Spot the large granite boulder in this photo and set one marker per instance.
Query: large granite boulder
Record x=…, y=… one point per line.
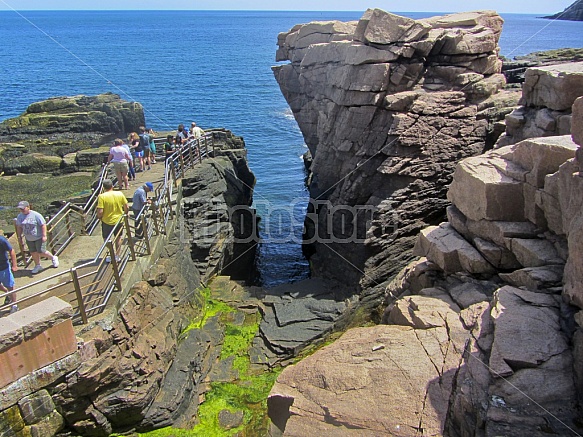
x=385, y=380
x=387, y=105
x=554, y=87
x=548, y=95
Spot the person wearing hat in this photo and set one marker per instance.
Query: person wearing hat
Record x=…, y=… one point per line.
x=138, y=201
x=7, y=266
x=33, y=227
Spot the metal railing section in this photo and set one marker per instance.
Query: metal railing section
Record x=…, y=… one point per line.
x=89, y=286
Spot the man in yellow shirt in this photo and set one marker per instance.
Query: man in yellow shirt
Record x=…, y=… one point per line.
x=111, y=206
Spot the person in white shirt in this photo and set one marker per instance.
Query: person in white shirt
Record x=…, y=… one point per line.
x=195, y=131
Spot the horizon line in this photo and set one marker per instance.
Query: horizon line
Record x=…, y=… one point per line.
x=256, y=10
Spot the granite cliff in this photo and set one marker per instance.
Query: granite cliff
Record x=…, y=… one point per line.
x=481, y=332
x=387, y=106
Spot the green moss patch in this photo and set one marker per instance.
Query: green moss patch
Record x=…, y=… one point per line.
x=247, y=394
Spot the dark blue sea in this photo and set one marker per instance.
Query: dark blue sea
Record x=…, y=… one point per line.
x=212, y=67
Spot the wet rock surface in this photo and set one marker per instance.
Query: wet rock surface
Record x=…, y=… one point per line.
x=293, y=316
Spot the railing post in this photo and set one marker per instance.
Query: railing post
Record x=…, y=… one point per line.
x=114, y=265
x=190, y=160
x=75, y=278
x=50, y=240
x=20, y=245
x=129, y=234
x=146, y=236
x=180, y=152
x=68, y=222
x=170, y=203
x=173, y=169
x=198, y=151
x=155, y=216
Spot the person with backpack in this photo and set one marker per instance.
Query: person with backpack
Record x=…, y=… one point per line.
x=134, y=141
x=142, y=147
x=152, y=146
x=168, y=147
x=181, y=136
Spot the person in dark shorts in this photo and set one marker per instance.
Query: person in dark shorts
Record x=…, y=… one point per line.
x=32, y=226
x=7, y=266
x=139, y=200
x=111, y=206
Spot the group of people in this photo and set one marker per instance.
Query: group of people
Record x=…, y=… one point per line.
x=125, y=158
x=111, y=205
x=182, y=136
x=142, y=150
x=32, y=227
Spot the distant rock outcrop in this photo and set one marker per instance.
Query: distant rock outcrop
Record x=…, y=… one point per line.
x=49, y=134
x=387, y=106
x=515, y=69
x=572, y=13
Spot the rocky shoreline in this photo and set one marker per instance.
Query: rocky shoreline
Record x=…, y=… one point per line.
x=456, y=288
x=480, y=329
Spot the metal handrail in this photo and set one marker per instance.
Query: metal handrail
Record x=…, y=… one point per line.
x=105, y=278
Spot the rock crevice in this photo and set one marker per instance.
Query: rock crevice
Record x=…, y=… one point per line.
x=387, y=105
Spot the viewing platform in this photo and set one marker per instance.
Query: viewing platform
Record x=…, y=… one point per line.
x=91, y=271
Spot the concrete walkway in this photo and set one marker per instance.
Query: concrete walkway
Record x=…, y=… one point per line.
x=81, y=250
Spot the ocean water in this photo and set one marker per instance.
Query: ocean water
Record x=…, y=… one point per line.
x=212, y=67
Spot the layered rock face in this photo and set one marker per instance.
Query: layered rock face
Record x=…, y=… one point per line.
x=217, y=218
x=47, y=137
x=484, y=332
x=127, y=376
x=387, y=105
x=547, y=97
x=140, y=370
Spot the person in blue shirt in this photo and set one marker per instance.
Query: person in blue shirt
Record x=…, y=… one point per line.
x=139, y=200
x=7, y=266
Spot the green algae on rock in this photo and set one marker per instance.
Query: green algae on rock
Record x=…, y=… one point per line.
x=243, y=398
x=61, y=126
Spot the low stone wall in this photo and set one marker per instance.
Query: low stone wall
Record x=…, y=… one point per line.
x=37, y=347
